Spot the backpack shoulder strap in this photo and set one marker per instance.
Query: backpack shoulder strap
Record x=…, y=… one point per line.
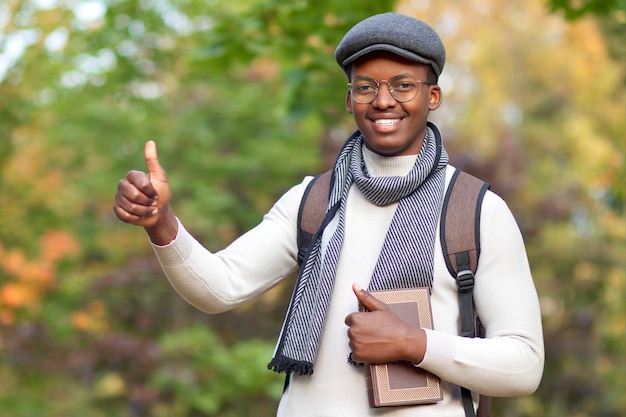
x=460, y=239
x=460, y=242
x=312, y=210
x=460, y=222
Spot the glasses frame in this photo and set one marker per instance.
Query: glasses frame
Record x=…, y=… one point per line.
x=391, y=89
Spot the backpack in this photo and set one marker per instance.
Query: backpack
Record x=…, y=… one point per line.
x=460, y=243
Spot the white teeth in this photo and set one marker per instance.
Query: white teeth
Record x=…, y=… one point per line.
x=387, y=122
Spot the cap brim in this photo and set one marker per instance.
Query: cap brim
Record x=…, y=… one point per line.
x=388, y=48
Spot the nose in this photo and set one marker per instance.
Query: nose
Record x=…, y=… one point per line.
x=384, y=99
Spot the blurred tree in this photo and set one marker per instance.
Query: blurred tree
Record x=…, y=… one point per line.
x=576, y=9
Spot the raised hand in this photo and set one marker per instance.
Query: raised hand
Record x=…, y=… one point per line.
x=378, y=336
x=143, y=198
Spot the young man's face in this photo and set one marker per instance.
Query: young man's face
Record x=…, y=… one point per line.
x=389, y=127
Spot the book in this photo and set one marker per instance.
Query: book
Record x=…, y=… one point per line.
x=402, y=383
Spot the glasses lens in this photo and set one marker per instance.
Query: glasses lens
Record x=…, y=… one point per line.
x=404, y=89
x=364, y=91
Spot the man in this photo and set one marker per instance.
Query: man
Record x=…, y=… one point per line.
x=380, y=232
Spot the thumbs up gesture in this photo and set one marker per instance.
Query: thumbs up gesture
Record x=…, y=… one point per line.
x=143, y=198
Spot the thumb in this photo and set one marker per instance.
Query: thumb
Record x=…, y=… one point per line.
x=155, y=170
x=368, y=301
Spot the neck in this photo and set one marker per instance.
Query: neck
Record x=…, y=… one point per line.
x=387, y=166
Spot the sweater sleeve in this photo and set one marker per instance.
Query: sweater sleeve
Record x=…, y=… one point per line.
x=255, y=262
x=509, y=361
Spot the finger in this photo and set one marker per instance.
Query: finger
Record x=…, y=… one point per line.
x=370, y=302
x=155, y=170
x=137, y=218
x=134, y=207
x=125, y=216
x=137, y=189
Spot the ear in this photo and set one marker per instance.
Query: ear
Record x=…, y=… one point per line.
x=348, y=102
x=435, y=97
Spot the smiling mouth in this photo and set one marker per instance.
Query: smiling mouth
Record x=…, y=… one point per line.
x=386, y=122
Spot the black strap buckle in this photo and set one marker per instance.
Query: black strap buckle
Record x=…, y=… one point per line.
x=465, y=280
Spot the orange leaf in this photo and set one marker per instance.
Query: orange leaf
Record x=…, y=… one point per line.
x=13, y=261
x=57, y=245
x=15, y=295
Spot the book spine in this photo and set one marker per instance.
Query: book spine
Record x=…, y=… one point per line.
x=371, y=395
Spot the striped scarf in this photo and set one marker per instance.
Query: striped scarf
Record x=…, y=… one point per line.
x=406, y=258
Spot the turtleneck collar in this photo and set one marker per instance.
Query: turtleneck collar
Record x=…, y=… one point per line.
x=387, y=166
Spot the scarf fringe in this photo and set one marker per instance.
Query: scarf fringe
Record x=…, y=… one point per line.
x=282, y=363
x=352, y=362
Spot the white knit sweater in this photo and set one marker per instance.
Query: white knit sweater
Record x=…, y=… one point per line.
x=508, y=362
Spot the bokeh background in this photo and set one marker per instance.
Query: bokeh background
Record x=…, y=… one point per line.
x=244, y=99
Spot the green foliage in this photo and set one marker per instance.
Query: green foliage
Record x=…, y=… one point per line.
x=577, y=9
x=205, y=376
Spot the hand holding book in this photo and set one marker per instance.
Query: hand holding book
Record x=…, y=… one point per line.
x=377, y=335
x=387, y=334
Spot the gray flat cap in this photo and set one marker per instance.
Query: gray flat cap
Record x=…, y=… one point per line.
x=403, y=35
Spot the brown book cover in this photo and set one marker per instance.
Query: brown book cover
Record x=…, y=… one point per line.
x=402, y=383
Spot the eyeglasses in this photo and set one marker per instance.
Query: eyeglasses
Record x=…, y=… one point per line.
x=402, y=89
